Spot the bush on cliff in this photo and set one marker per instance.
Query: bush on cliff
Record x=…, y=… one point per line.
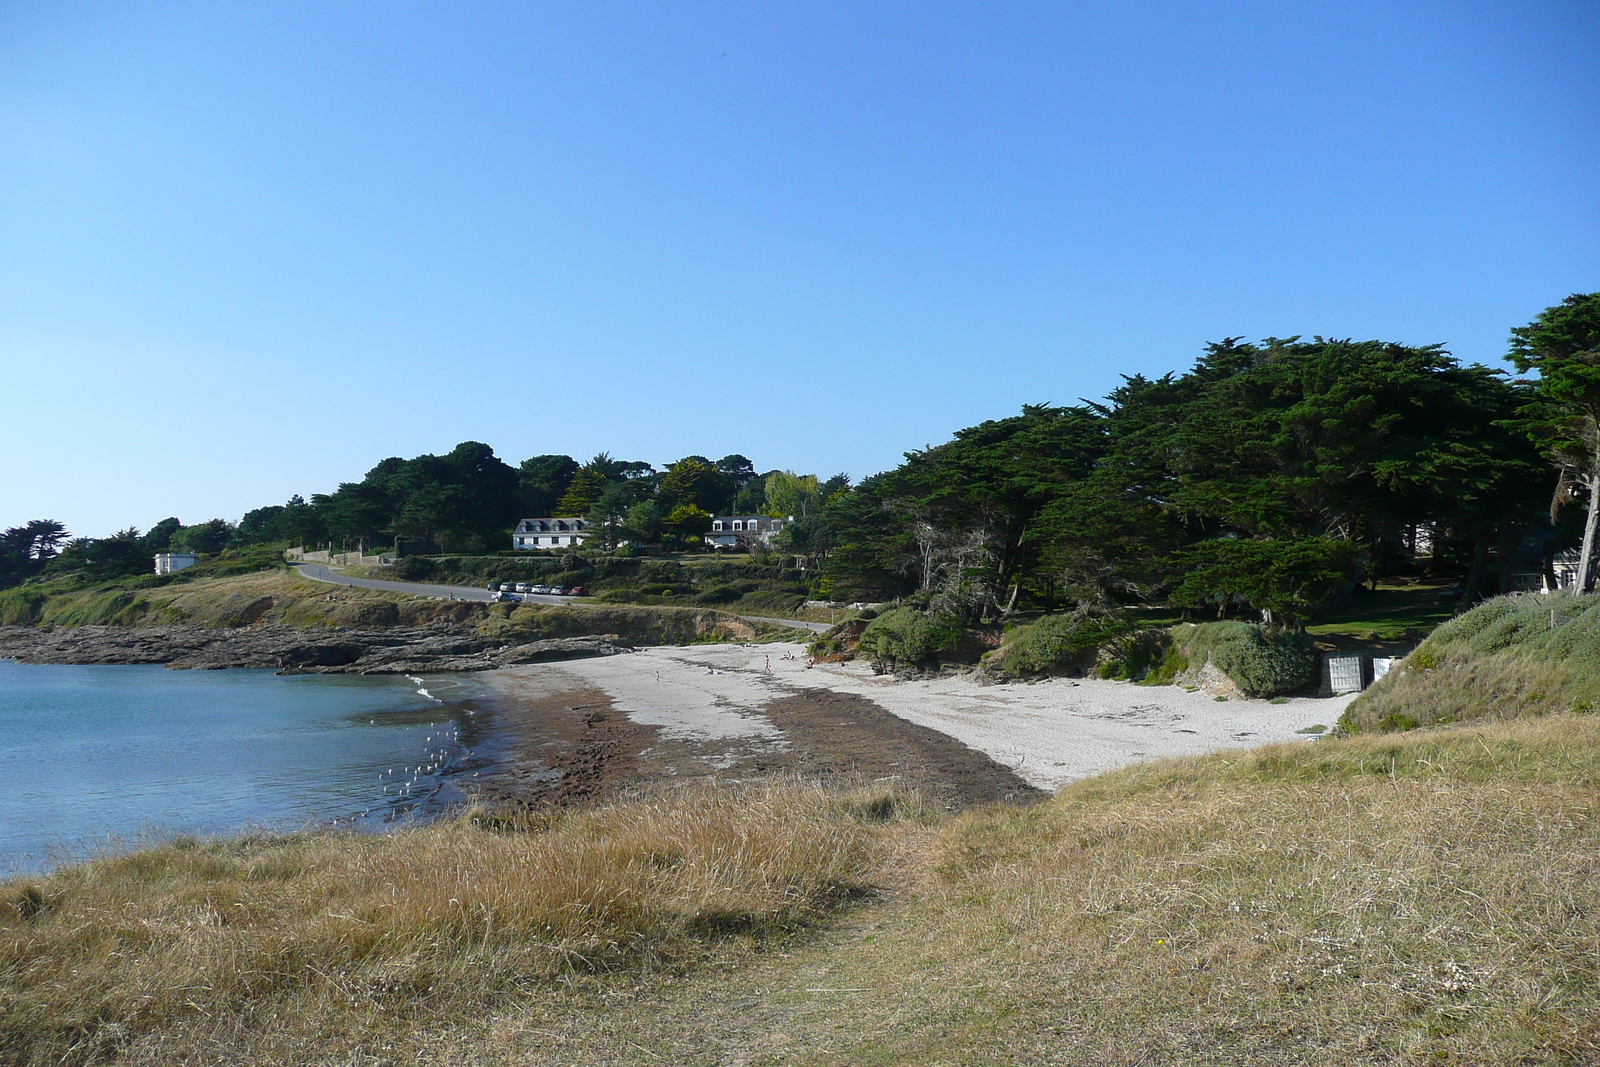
x=840, y=643
x=908, y=637
x=1058, y=643
x=1261, y=662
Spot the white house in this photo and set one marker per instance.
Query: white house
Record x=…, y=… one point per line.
x=549, y=533
x=734, y=531
x=1565, y=564
x=169, y=562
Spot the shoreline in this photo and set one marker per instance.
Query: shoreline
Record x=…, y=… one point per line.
x=580, y=740
x=669, y=714
x=580, y=731
x=437, y=649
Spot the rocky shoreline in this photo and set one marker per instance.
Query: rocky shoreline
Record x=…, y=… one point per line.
x=289, y=650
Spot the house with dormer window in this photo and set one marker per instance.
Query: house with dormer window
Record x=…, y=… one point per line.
x=549, y=533
x=741, y=531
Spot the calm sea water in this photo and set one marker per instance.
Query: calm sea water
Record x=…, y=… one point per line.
x=102, y=757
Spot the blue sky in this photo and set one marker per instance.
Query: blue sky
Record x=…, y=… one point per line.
x=250, y=250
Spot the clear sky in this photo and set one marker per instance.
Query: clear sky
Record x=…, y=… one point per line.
x=248, y=250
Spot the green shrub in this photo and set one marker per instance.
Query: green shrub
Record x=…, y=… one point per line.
x=724, y=594
x=21, y=607
x=906, y=635
x=771, y=602
x=659, y=571
x=1062, y=643
x=1165, y=671
x=1262, y=663
x=1134, y=654
x=1266, y=663
x=840, y=643
x=415, y=569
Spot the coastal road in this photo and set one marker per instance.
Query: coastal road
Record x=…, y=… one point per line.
x=814, y=627
x=321, y=572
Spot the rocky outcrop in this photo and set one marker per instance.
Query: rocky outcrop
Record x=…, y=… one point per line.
x=395, y=650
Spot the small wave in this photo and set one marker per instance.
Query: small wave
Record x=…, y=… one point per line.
x=422, y=689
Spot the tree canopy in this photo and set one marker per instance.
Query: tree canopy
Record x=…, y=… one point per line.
x=1562, y=346
x=1264, y=481
x=1258, y=482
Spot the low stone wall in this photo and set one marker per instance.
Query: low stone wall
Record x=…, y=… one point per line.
x=337, y=559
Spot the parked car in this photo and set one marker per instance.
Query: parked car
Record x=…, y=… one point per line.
x=494, y=587
x=577, y=590
x=540, y=590
x=506, y=598
x=558, y=590
x=524, y=587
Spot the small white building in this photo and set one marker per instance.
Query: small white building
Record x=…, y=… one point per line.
x=171, y=562
x=549, y=533
x=735, y=531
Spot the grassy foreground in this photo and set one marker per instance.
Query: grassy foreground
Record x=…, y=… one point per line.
x=1431, y=898
x=299, y=948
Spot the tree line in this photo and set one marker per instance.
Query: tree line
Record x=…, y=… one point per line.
x=1268, y=477
x=466, y=501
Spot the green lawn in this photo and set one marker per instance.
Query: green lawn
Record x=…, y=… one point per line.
x=1386, y=615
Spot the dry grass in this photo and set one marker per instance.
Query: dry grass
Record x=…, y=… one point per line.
x=1509, y=657
x=1431, y=901
x=1426, y=898
x=300, y=949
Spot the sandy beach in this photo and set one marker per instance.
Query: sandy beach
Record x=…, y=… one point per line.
x=668, y=713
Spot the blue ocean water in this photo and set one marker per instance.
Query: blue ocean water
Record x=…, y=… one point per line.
x=98, y=757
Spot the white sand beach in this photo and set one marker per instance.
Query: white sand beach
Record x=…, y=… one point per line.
x=1049, y=733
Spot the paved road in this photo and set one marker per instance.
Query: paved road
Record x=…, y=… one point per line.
x=321, y=572
x=814, y=627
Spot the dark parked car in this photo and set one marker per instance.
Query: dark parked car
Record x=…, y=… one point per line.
x=577, y=590
x=506, y=598
x=494, y=587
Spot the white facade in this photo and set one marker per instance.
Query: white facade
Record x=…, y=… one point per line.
x=168, y=562
x=549, y=533
x=731, y=531
x=1565, y=564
